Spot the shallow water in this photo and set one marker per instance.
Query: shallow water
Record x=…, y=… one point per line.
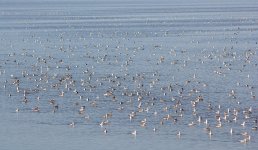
x=154, y=54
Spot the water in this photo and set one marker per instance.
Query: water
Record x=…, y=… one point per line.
x=154, y=57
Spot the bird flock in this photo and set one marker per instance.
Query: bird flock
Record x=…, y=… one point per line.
x=139, y=86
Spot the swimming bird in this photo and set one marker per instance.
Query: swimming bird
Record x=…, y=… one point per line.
x=246, y=137
x=105, y=131
x=55, y=108
x=206, y=121
x=25, y=100
x=72, y=124
x=244, y=133
x=243, y=124
x=134, y=133
x=244, y=141
x=35, y=109
x=178, y=134
x=210, y=133
x=235, y=118
x=107, y=115
x=191, y=124
x=81, y=110
x=52, y=102
x=61, y=94
x=219, y=124
x=87, y=117
x=143, y=122
x=108, y=93
x=199, y=119
x=254, y=128
x=154, y=129
x=103, y=123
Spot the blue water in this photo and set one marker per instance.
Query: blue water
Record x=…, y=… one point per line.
x=151, y=55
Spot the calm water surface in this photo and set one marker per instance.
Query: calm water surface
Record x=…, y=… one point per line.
x=168, y=62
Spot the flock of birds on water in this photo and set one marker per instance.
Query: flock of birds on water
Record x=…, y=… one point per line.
x=52, y=84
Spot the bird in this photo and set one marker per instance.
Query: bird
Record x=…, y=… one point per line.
x=243, y=124
x=103, y=123
x=35, y=109
x=178, y=134
x=105, y=131
x=206, y=122
x=254, y=128
x=81, y=110
x=154, y=129
x=72, y=124
x=210, y=133
x=55, y=108
x=61, y=94
x=231, y=131
x=219, y=125
x=244, y=141
x=191, y=124
x=199, y=119
x=134, y=132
